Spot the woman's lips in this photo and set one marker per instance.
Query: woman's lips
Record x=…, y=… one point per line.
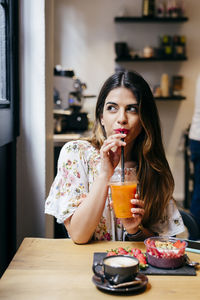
x=122, y=130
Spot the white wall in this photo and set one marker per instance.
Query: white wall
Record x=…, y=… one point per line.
x=34, y=146
x=84, y=41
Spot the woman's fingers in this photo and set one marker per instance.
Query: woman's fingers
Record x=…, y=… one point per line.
x=107, y=147
x=110, y=152
x=113, y=142
x=118, y=136
x=137, y=202
x=111, y=146
x=137, y=211
x=138, y=207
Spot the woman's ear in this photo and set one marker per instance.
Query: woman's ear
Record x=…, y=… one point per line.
x=102, y=122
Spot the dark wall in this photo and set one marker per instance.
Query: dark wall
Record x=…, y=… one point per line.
x=9, y=130
x=7, y=205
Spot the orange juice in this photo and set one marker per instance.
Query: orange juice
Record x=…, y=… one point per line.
x=122, y=193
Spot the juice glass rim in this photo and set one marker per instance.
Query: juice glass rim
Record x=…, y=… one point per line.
x=130, y=175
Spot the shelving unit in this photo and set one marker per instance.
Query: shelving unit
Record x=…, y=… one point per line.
x=133, y=19
x=140, y=59
x=149, y=20
x=172, y=98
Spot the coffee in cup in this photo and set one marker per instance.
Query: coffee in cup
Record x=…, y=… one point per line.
x=117, y=269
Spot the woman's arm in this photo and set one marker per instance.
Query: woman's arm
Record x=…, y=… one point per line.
x=82, y=224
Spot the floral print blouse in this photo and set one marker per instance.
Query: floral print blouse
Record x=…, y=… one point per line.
x=78, y=165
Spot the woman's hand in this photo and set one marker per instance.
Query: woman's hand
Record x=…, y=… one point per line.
x=131, y=224
x=110, y=153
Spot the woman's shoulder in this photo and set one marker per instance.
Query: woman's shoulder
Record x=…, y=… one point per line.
x=78, y=147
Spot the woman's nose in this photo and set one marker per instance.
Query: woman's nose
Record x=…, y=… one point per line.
x=122, y=118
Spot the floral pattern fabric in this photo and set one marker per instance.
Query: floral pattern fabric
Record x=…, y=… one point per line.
x=78, y=165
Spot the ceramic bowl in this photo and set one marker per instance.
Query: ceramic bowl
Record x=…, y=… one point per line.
x=165, y=252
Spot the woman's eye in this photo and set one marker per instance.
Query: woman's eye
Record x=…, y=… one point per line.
x=132, y=109
x=111, y=108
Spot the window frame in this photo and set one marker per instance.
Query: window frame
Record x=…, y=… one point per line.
x=10, y=110
x=6, y=103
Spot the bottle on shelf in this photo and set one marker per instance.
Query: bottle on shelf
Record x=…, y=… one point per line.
x=174, y=8
x=183, y=44
x=166, y=45
x=148, y=8
x=171, y=9
x=179, y=46
x=177, y=85
x=160, y=9
x=164, y=85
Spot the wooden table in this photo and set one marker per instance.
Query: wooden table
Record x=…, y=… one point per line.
x=59, y=269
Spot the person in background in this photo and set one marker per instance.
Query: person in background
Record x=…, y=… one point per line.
x=194, y=141
x=80, y=195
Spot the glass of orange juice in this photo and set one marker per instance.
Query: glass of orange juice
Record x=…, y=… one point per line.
x=123, y=192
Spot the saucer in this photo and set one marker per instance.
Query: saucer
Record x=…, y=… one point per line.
x=107, y=287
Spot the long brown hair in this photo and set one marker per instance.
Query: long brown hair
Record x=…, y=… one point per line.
x=153, y=172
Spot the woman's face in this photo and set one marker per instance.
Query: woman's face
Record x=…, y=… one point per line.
x=121, y=112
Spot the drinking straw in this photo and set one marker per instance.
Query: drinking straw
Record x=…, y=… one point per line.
x=122, y=164
x=122, y=153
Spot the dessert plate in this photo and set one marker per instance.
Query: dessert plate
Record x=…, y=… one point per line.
x=107, y=287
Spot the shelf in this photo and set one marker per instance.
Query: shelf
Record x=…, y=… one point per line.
x=150, y=20
x=171, y=98
x=138, y=59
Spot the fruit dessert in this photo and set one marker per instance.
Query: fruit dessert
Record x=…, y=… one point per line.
x=136, y=252
x=165, y=252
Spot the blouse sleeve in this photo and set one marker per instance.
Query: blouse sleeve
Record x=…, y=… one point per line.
x=171, y=223
x=71, y=182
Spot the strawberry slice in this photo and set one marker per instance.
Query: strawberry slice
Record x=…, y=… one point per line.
x=142, y=261
x=135, y=251
x=122, y=251
x=111, y=253
x=141, y=258
x=148, y=241
x=177, y=244
x=152, y=249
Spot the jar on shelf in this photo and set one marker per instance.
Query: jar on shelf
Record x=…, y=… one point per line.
x=148, y=52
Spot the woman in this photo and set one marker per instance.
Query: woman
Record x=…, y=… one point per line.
x=79, y=196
